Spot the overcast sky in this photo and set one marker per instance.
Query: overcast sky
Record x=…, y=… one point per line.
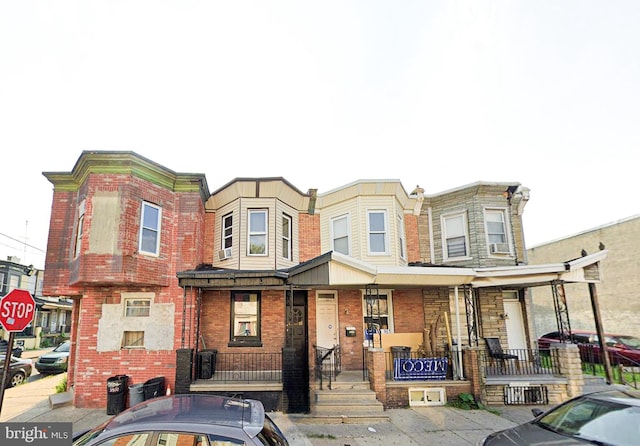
x=434, y=93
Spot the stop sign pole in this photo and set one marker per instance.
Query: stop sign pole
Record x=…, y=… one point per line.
x=16, y=312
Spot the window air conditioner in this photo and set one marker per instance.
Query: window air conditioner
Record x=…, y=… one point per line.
x=499, y=248
x=224, y=254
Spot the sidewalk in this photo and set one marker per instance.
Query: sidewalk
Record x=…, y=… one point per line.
x=440, y=425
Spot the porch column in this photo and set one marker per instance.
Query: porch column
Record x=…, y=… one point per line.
x=567, y=356
x=376, y=367
x=184, y=370
x=473, y=368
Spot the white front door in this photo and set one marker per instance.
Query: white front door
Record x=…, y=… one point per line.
x=326, y=319
x=515, y=324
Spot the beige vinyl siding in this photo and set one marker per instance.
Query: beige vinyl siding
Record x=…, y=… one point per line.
x=357, y=209
x=233, y=262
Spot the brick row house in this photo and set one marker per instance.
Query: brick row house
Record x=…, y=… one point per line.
x=259, y=289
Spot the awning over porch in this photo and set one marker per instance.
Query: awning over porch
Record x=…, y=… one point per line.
x=335, y=269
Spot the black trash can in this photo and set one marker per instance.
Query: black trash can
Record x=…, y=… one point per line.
x=136, y=394
x=401, y=352
x=206, y=363
x=153, y=388
x=116, y=394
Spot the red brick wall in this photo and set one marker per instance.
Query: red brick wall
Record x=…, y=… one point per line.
x=63, y=216
x=408, y=311
x=93, y=368
x=215, y=321
x=309, y=235
x=412, y=237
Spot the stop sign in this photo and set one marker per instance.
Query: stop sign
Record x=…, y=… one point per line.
x=17, y=310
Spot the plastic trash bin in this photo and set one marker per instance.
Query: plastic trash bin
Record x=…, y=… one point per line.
x=401, y=352
x=116, y=394
x=136, y=394
x=153, y=388
x=206, y=363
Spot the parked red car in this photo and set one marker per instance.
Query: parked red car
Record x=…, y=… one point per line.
x=623, y=349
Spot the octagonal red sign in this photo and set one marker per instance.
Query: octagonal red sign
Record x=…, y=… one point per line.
x=17, y=310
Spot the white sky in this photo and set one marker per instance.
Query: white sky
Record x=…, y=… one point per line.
x=435, y=93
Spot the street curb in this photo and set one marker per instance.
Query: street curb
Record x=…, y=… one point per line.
x=60, y=399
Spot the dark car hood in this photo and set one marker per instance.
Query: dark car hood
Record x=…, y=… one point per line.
x=532, y=434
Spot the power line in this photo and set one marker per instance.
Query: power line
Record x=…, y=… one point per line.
x=22, y=243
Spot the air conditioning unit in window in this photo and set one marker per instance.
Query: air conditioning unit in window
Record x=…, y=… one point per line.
x=224, y=254
x=499, y=248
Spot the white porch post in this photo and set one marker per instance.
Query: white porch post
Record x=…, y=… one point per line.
x=459, y=368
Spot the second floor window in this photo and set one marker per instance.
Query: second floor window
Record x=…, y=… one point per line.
x=258, y=232
x=496, y=227
x=79, y=230
x=150, y=229
x=227, y=231
x=455, y=236
x=286, y=237
x=401, y=242
x=377, y=232
x=340, y=234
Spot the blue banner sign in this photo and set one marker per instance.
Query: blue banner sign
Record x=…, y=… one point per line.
x=419, y=368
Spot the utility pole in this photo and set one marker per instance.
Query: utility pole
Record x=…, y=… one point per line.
x=603, y=345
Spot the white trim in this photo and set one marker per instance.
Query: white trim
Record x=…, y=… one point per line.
x=158, y=230
x=347, y=217
x=507, y=233
x=465, y=227
x=385, y=232
x=265, y=233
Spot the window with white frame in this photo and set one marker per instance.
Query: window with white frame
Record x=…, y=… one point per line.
x=137, y=307
x=455, y=236
x=340, y=234
x=401, y=241
x=150, y=229
x=257, y=232
x=377, y=223
x=286, y=236
x=496, y=227
x=79, y=230
x=227, y=231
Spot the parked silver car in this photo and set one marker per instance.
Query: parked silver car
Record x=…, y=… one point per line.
x=193, y=419
x=609, y=418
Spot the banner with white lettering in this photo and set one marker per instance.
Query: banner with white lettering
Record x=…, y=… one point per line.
x=419, y=368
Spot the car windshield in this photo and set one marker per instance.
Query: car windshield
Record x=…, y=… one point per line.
x=630, y=341
x=607, y=422
x=64, y=347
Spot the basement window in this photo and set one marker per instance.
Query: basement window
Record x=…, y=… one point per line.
x=133, y=339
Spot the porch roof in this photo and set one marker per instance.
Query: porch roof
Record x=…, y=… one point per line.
x=333, y=269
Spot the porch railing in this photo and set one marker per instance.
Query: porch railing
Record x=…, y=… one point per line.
x=328, y=364
x=515, y=362
x=624, y=370
x=247, y=367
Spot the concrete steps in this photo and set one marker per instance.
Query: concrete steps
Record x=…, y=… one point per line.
x=346, y=402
